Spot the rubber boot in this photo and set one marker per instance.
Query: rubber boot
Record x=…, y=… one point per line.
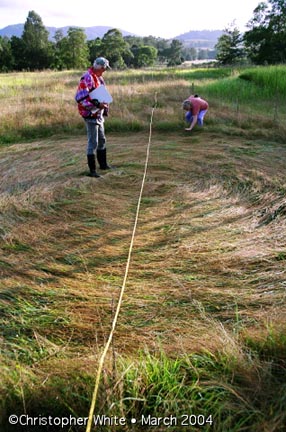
x=101, y=157
x=91, y=166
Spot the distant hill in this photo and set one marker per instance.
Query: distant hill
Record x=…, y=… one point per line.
x=12, y=30
x=91, y=32
x=200, y=38
x=194, y=38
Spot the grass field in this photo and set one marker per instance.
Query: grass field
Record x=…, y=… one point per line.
x=201, y=332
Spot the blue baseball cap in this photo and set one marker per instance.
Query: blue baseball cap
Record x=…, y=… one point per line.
x=101, y=62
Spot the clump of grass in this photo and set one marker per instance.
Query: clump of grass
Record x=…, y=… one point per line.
x=117, y=125
x=281, y=256
x=168, y=126
x=215, y=391
x=213, y=386
x=271, y=80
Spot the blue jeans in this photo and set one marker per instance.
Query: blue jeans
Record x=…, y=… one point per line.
x=95, y=136
x=189, y=117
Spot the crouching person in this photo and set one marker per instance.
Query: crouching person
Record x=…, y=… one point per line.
x=196, y=109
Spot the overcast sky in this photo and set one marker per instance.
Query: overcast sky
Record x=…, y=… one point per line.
x=160, y=18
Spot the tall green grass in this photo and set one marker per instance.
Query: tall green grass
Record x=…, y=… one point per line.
x=202, y=391
x=258, y=90
x=271, y=79
x=229, y=394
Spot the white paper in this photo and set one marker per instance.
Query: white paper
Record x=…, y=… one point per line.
x=101, y=94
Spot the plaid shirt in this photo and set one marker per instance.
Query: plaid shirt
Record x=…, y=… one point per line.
x=88, y=82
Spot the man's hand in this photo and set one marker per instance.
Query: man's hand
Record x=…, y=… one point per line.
x=103, y=105
x=99, y=105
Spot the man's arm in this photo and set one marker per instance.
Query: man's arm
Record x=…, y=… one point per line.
x=194, y=122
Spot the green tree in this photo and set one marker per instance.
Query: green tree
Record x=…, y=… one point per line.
x=18, y=52
x=229, y=46
x=37, y=48
x=135, y=42
x=59, y=51
x=174, y=53
x=190, y=53
x=265, y=39
x=114, y=47
x=146, y=56
x=162, y=46
x=6, y=55
x=95, y=49
x=203, y=54
x=74, y=49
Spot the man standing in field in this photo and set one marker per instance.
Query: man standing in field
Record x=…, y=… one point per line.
x=93, y=112
x=196, y=108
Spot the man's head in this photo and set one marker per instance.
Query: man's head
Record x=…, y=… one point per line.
x=101, y=63
x=187, y=105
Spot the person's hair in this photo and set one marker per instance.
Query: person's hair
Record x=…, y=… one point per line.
x=187, y=105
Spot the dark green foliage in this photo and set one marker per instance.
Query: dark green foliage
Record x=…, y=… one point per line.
x=76, y=51
x=265, y=39
x=114, y=47
x=6, y=57
x=229, y=47
x=17, y=48
x=95, y=49
x=174, y=53
x=37, y=48
x=145, y=56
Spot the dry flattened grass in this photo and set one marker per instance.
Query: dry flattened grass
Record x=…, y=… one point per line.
x=208, y=266
x=207, y=275
x=206, y=259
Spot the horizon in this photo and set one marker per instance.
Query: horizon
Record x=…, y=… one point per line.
x=124, y=30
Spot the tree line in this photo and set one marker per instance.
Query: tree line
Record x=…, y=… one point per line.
x=34, y=51
x=264, y=42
